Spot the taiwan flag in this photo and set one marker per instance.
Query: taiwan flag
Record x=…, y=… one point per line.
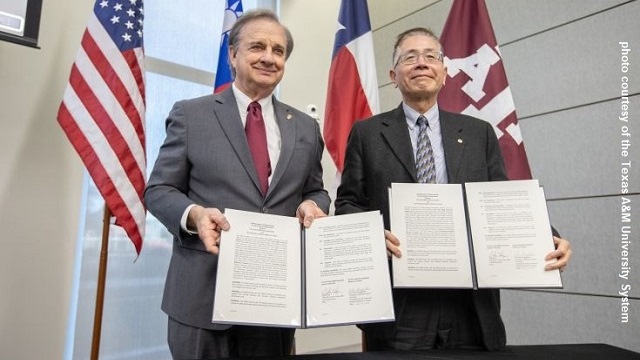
x=224, y=77
x=477, y=83
x=352, y=93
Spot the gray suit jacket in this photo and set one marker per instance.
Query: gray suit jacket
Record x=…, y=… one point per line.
x=379, y=152
x=205, y=160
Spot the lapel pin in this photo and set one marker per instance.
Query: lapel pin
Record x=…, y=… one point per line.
x=289, y=116
x=460, y=141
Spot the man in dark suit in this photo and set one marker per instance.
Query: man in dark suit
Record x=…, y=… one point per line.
x=206, y=165
x=385, y=149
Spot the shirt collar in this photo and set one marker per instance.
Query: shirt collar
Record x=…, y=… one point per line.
x=243, y=101
x=432, y=115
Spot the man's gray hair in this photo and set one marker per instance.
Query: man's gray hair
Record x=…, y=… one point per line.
x=257, y=14
x=414, y=31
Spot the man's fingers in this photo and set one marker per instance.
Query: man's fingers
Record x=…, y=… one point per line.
x=211, y=242
x=308, y=211
x=389, y=236
x=218, y=218
x=393, y=250
x=210, y=223
x=555, y=254
x=308, y=220
x=559, y=265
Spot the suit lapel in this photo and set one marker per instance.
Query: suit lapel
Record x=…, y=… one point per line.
x=226, y=110
x=394, y=131
x=286, y=124
x=453, y=141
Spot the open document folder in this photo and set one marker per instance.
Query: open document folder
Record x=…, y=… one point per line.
x=475, y=235
x=274, y=272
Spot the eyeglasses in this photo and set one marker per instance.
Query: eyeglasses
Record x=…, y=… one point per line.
x=410, y=58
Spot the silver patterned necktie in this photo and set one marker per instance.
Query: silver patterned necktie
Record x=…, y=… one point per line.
x=425, y=165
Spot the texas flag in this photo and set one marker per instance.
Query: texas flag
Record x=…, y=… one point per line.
x=352, y=93
x=224, y=77
x=477, y=84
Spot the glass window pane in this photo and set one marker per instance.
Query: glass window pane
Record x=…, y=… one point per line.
x=186, y=33
x=162, y=93
x=133, y=326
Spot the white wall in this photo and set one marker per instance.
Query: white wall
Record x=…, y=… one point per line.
x=40, y=187
x=313, y=25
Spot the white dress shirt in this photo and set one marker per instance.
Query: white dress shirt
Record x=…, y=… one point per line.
x=274, y=139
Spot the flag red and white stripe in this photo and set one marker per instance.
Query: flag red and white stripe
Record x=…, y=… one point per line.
x=103, y=108
x=477, y=83
x=352, y=93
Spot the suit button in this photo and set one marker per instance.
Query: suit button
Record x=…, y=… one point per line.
x=265, y=210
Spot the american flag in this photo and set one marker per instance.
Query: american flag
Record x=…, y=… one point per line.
x=102, y=111
x=352, y=93
x=224, y=77
x=477, y=83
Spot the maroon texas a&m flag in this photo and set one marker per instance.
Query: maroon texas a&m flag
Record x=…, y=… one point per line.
x=476, y=84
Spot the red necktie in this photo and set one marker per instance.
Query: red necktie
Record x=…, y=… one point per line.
x=257, y=138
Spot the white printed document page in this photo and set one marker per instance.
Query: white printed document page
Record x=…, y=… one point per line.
x=429, y=220
x=347, y=271
x=511, y=234
x=259, y=277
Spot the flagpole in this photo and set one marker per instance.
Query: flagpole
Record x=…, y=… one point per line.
x=102, y=276
x=84, y=112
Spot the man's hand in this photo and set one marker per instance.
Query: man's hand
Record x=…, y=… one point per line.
x=392, y=244
x=307, y=211
x=561, y=254
x=209, y=222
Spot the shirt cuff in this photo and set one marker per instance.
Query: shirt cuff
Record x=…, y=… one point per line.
x=183, y=220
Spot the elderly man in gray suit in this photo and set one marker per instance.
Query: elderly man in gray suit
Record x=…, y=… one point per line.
x=207, y=164
x=392, y=147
